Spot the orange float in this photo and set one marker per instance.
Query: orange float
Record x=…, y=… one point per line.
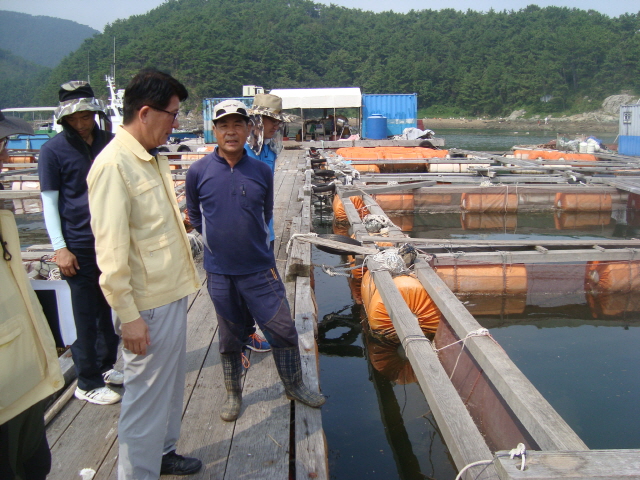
x=583, y=202
x=395, y=201
x=489, y=202
x=553, y=155
x=612, y=288
x=414, y=295
x=484, y=279
x=339, y=213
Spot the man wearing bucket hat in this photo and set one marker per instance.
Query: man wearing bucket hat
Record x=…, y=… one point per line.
x=63, y=167
x=264, y=144
x=28, y=359
x=230, y=200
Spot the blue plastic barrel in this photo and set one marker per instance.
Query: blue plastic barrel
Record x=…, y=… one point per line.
x=377, y=127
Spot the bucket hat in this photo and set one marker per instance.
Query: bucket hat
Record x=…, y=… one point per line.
x=271, y=106
x=77, y=96
x=13, y=125
x=229, y=107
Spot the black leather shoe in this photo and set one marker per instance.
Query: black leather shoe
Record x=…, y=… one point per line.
x=174, y=464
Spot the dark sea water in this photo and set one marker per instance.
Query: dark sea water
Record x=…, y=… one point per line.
x=581, y=357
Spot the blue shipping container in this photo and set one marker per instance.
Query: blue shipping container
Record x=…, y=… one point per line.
x=401, y=111
x=207, y=113
x=629, y=145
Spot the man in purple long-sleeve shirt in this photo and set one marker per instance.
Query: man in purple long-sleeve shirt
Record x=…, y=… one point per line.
x=230, y=201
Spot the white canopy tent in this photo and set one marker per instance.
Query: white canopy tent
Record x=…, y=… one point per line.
x=293, y=98
x=319, y=97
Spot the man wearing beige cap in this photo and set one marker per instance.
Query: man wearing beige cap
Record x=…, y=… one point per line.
x=264, y=144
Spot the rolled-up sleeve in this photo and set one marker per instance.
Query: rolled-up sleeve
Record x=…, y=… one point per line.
x=110, y=207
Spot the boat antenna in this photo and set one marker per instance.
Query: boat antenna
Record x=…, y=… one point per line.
x=113, y=66
x=88, y=69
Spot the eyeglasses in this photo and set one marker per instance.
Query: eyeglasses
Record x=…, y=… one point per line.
x=3, y=143
x=174, y=115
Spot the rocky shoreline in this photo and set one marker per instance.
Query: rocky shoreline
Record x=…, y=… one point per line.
x=554, y=125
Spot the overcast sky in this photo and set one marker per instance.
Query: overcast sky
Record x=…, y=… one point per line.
x=97, y=13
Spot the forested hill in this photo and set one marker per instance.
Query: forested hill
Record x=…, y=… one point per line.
x=479, y=63
x=40, y=39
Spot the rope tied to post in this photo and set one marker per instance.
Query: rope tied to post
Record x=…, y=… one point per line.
x=296, y=235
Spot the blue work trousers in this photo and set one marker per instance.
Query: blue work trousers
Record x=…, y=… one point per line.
x=96, y=347
x=241, y=299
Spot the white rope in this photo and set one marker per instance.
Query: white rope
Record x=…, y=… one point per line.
x=389, y=260
x=519, y=451
x=474, y=464
x=54, y=274
x=295, y=235
x=481, y=332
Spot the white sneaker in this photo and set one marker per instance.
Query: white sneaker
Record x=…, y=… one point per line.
x=113, y=377
x=99, y=396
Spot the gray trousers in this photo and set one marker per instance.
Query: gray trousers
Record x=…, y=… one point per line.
x=151, y=409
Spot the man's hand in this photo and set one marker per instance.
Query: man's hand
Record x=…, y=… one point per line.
x=67, y=262
x=135, y=336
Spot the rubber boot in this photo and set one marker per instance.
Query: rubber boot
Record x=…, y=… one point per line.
x=232, y=369
x=290, y=371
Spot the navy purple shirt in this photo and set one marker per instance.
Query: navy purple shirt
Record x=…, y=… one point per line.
x=231, y=208
x=63, y=165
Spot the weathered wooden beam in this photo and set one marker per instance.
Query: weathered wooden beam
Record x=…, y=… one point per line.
x=403, y=187
x=463, y=439
x=589, y=465
x=498, y=243
x=345, y=247
x=543, y=423
x=536, y=256
x=19, y=194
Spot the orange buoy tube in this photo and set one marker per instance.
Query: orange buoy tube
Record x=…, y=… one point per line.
x=612, y=288
x=489, y=202
x=610, y=277
x=414, y=295
x=484, y=279
x=367, y=168
x=395, y=201
x=339, y=213
x=583, y=202
x=553, y=155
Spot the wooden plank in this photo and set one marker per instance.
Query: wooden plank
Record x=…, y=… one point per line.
x=589, y=465
x=464, y=441
x=86, y=441
x=260, y=445
x=337, y=245
x=310, y=443
x=548, y=256
x=544, y=424
x=19, y=194
x=498, y=243
x=403, y=187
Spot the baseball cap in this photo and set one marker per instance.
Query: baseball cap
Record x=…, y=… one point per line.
x=229, y=107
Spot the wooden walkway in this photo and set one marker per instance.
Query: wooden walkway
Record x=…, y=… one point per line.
x=273, y=438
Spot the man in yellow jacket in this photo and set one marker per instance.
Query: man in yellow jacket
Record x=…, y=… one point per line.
x=29, y=368
x=147, y=273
